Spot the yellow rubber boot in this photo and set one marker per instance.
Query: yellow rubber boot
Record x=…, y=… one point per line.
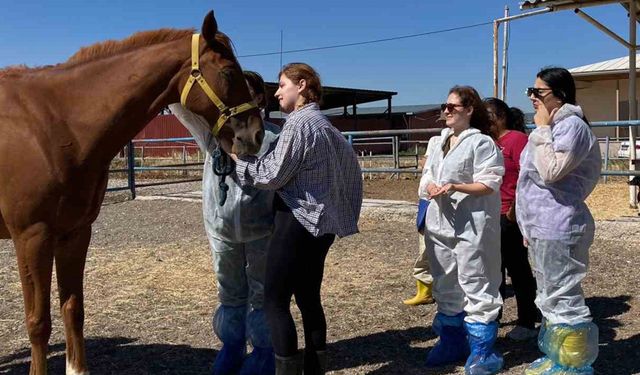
x=423, y=295
x=574, y=350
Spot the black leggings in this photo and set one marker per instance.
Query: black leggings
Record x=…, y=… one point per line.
x=515, y=260
x=295, y=266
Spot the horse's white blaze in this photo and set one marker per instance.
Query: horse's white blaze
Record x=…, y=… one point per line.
x=72, y=371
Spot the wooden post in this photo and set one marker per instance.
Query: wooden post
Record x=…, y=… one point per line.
x=495, y=58
x=633, y=105
x=505, y=46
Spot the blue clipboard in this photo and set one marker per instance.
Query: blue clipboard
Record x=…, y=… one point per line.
x=422, y=213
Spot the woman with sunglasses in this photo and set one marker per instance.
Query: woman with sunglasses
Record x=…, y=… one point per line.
x=559, y=168
x=507, y=128
x=462, y=235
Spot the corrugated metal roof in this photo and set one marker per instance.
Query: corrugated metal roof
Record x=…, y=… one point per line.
x=535, y=3
x=335, y=97
x=529, y=4
x=403, y=109
x=363, y=111
x=613, y=65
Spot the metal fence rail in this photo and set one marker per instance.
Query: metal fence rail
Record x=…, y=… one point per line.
x=355, y=138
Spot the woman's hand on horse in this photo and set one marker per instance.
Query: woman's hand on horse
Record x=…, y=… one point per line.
x=227, y=147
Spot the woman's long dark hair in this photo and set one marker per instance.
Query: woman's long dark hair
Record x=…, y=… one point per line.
x=513, y=117
x=561, y=83
x=469, y=97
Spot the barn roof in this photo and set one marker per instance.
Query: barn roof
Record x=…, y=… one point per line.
x=334, y=97
x=609, y=69
x=408, y=110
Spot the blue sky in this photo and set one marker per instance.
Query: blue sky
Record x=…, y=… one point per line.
x=420, y=69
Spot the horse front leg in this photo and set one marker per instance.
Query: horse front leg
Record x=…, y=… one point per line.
x=70, y=255
x=4, y=231
x=34, y=250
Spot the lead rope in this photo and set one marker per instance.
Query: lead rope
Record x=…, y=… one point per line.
x=222, y=167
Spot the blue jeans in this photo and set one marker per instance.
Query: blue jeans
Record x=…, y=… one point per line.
x=240, y=270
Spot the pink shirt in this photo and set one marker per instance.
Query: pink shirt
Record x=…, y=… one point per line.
x=511, y=145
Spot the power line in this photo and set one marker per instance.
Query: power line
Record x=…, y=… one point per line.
x=370, y=41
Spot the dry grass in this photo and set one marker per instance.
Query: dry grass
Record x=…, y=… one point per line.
x=607, y=201
x=611, y=200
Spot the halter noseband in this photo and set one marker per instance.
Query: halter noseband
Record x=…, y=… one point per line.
x=196, y=76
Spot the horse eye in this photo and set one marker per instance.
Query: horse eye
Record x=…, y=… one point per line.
x=226, y=74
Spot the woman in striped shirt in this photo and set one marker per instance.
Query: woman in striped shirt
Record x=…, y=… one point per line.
x=318, y=181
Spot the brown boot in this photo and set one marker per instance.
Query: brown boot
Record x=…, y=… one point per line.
x=289, y=365
x=423, y=295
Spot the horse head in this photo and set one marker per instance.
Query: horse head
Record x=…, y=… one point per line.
x=212, y=85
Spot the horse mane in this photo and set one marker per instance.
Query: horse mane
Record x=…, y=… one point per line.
x=115, y=47
x=110, y=48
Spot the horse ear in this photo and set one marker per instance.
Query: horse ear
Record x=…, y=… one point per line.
x=209, y=27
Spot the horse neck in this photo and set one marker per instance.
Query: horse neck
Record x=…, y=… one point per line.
x=112, y=99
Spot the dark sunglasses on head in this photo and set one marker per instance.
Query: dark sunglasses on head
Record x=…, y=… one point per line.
x=449, y=106
x=536, y=92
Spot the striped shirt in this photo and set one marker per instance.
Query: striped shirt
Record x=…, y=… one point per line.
x=314, y=170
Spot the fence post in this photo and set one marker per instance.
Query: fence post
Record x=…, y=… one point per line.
x=370, y=164
x=606, y=157
x=362, y=163
x=184, y=159
x=417, y=161
x=131, y=165
x=350, y=140
x=396, y=157
x=393, y=154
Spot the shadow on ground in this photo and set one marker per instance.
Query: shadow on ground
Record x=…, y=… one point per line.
x=392, y=351
x=120, y=355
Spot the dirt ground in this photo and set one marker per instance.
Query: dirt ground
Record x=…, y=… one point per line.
x=150, y=291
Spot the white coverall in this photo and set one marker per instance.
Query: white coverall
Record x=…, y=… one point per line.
x=559, y=168
x=463, y=231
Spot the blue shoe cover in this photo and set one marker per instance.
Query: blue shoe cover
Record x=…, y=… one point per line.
x=541, y=333
x=229, y=326
x=258, y=331
x=545, y=366
x=261, y=361
x=452, y=345
x=483, y=360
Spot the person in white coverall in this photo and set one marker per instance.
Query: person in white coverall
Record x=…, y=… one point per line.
x=559, y=168
x=462, y=235
x=238, y=231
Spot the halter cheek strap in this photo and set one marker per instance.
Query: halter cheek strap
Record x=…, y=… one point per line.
x=196, y=76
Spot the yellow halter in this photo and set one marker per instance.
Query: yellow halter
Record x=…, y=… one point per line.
x=196, y=76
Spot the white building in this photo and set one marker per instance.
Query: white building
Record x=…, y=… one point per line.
x=603, y=92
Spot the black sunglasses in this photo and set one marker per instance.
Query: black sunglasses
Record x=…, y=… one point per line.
x=449, y=106
x=536, y=92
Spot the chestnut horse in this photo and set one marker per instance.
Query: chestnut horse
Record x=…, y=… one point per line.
x=61, y=126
